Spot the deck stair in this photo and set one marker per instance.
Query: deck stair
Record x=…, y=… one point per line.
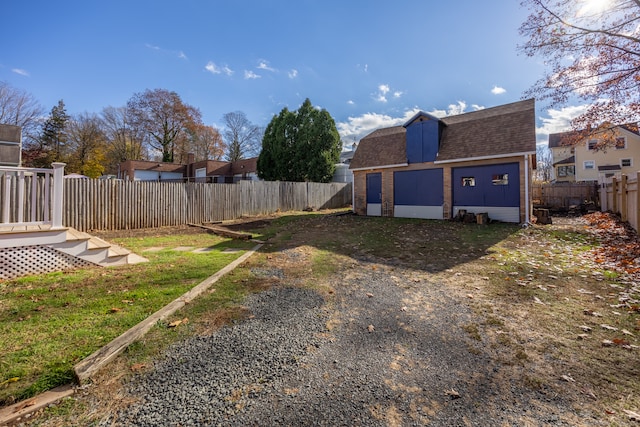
x=35, y=250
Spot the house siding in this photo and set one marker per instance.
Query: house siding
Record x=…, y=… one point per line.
x=517, y=215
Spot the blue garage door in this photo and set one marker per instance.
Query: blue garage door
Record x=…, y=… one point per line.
x=374, y=194
x=494, y=189
x=418, y=194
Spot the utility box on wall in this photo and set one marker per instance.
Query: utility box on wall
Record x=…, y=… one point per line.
x=10, y=145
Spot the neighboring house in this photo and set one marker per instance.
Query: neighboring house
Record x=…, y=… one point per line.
x=479, y=162
x=342, y=172
x=10, y=145
x=586, y=161
x=215, y=171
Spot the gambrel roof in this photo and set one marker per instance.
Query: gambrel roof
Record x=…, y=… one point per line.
x=501, y=131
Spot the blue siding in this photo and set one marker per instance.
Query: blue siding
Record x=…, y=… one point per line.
x=374, y=188
x=423, y=139
x=485, y=193
x=418, y=188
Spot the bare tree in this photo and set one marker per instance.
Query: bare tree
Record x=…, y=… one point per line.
x=124, y=140
x=164, y=118
x=243, y=139
x=592, y=50
x=544, y=164
x=19, y=108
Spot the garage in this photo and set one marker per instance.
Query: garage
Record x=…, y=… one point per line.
x=494, y=189
x=418, y=194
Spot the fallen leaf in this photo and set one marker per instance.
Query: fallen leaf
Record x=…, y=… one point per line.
x=114, y=310
x=537, y=300
x=370, y=295
x=469, y=296
x=403, y=308
x=620, y=341
x=10, y=380
x=608, y=328
x=624, y=331
x=585, y=328
x=371, y=328
x=583, y=336
x=568, y=379
x=607, y=343
x=137, y=367
x=452, y=394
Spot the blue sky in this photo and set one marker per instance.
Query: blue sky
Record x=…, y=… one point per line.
x=369, y=63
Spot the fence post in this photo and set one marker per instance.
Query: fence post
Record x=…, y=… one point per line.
x=58, y=194
x=623, y=199
x=614, y=197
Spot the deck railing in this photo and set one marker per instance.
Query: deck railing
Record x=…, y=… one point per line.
x=31, y=196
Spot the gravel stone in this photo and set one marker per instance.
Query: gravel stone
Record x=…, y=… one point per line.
x=302, y=361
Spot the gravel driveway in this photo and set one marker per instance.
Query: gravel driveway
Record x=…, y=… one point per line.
x=386, y=348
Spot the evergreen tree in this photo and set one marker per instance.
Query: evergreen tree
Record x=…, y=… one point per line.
x=303, y=145
x=54, y=136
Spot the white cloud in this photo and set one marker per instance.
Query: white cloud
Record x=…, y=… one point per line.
x=497, y=90
x=21, y=72
x=397, y=94
x=293, y=73
x=152, y=47
x=264, y=65
x=381, y=95
x=358, y=127
x=558, y=121
x=452, y=110
x=250, y=75
x=212, y=68
x=350, y=102
x=182, y=55
x=215, y=69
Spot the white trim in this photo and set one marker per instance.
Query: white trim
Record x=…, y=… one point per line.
x=499, y=156
x=369, y=168
x=414, y=211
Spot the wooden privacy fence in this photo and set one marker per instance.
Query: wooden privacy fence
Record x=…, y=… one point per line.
x=93, y=204
x=621, y=196
x=563, y=196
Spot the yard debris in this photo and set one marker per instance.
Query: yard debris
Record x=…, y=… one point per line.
x=585, y=328
x=624, y=331
x=607, y=343
x=537, y=301
x=370, y=295
x=568, y=379
x=177, y=323
x=583, y=336
x=371, y=328
x=452, y=394
x=633, y=416
x=591, y=313
x=608, y=328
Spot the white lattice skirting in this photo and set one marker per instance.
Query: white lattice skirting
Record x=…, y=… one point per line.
x=27, y=260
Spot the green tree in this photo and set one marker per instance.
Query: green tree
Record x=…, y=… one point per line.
x=53, y=138
x=302, y=145
x=164, y=119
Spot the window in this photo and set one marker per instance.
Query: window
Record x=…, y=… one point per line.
x=625, y=163
x=564, y=171
x=468, y=181
x=593, y=143
x=621, y=143
x=589, y=164
x=500, y=179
